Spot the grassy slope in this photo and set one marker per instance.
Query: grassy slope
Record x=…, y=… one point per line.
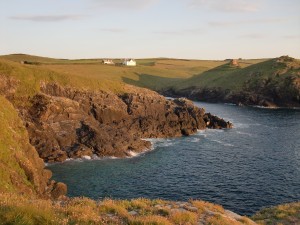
x=156, y=74
x=13, y=142
x=235, y=78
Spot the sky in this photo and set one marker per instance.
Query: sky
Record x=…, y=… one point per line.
x=190, y=29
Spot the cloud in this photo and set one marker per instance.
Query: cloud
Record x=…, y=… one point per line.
x=228, y=5
x=127, y=4
x=47, y=18
x=291, y=36
x=113, y=30
x=181, y=32
x=254, y=36
x=243, y=22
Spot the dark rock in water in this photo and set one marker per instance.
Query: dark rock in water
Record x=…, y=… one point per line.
x=216, y=122
x=68, y=123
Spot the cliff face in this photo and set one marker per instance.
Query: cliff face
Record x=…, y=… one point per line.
x=65, y=122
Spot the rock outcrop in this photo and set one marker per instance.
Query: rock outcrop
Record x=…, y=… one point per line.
x=68, y=123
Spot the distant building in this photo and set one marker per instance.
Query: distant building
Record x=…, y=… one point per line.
x=107, y=62
x=129, y=62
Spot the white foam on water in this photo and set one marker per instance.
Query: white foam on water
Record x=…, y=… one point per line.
x=244, y=133
x=222, y=143
x=86, y=157
x=230, y=104
x=201, y=133
x=195, y=140
x=241, y=125
x=133, y=154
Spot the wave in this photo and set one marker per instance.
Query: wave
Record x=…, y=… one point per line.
x=244, y=133
x=274, y=107
x=241, y=125
x=160, y=142
x=233, y=104
x=195, y=140
x=222, y=143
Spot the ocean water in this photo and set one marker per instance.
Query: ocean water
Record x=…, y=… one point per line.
x=256, y=164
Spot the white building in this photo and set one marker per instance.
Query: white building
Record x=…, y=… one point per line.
x=107, y=62
x=129, y=62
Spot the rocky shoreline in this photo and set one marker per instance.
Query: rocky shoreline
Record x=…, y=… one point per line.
x=215, y=95
x=67, y=123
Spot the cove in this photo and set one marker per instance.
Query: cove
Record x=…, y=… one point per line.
x=256, y=164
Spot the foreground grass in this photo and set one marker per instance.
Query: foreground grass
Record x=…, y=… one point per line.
x=15, y=209
x=287, y=214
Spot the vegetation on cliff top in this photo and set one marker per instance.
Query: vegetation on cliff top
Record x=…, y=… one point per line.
x=288, y=214
x=276, y=81
x=20, y=210
x=156, y=74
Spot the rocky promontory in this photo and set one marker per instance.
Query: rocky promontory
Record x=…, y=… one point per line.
x=69, y=123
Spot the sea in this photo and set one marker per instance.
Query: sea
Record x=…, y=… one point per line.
x=254, y=165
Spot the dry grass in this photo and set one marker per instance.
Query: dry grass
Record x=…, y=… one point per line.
x=184, y=218
x=113, y=207
x=287, y=214
x=202, y=206
x=149, y=220
x=17, y=209
x=221, y=220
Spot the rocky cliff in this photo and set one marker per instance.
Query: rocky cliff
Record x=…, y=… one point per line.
x=63, y=122
x=68, y=123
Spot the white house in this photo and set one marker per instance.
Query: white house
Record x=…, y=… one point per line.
x=129, y=62
x=107, y=62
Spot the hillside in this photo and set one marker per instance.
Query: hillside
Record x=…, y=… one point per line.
x=271, y=83
x=264, y=82
x=156, y=74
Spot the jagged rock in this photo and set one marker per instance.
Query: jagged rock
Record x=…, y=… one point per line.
x=68, y=123
x=216, y=122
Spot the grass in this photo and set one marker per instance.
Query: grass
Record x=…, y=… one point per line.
x=156, y=74
x=252, y=74
x=13, y=144
x=286, y=214
x=17, y=209
x=203, y=205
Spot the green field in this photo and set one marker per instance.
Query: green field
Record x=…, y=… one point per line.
x=156, y=74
